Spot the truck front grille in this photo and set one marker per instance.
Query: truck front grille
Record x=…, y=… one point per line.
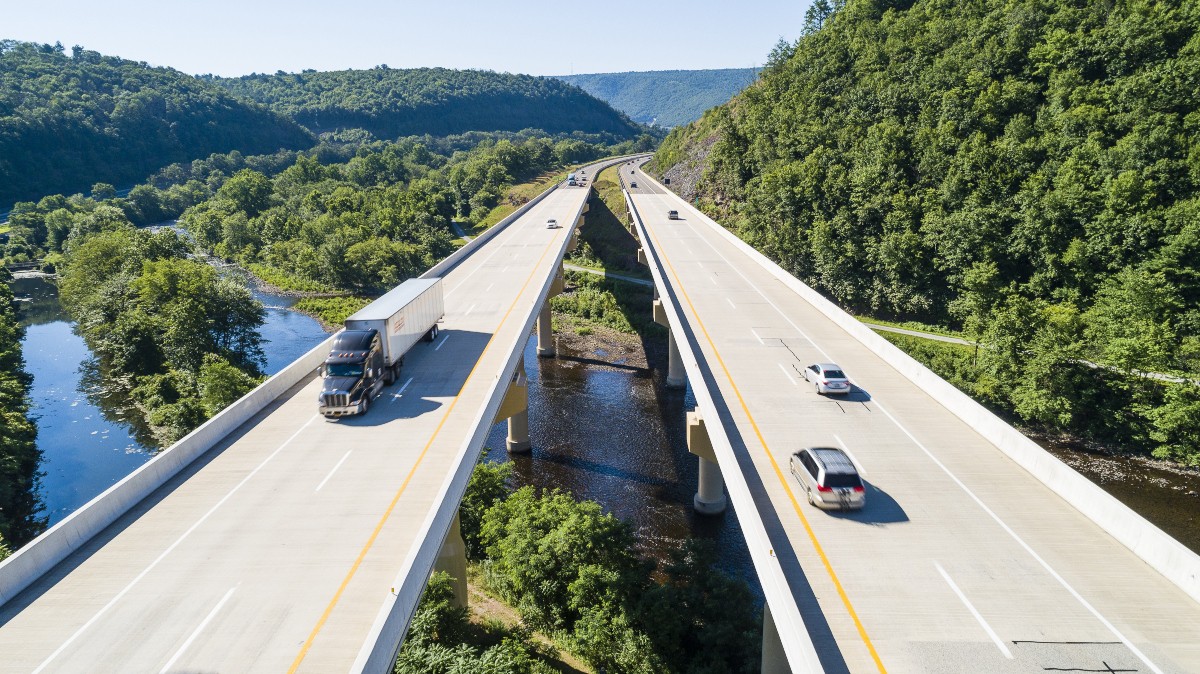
x=337, y=399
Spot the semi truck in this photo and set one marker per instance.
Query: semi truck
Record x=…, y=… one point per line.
x=367, y=355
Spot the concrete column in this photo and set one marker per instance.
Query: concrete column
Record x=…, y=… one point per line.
x=518, y=433
x=545, y=347
x=774, y=660
x=545, y=331
x=515, y=408
x=453, y=560
x=710, y=493
x=676, y=376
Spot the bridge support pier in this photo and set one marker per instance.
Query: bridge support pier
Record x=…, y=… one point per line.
x=545, y=331
x=515, y=408
x=710, y=493
x=676, y=376
x=774, y=659
x=453, y=560
x=574, y=242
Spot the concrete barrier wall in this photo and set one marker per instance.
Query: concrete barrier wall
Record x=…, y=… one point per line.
x=55, y=544
x=1162, y=552
x=378, y=654
x=789, y=623
x=459, y=255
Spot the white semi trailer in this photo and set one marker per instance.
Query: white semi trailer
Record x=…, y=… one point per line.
x=367, y=355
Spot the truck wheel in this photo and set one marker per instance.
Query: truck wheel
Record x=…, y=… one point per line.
x=366, y=402
x=389, y=376
x=432, y=334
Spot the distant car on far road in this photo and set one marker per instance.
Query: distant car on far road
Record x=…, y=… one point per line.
x=633, y=185
x=827, y=377
x=672, y=215
x=552, y=224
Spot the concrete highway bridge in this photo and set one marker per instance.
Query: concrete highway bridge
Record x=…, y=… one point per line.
x=273, y=540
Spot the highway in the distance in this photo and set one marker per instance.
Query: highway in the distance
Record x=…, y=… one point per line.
x=961, y=561
x=276, y=551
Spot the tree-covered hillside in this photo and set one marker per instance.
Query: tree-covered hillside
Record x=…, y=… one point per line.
x=665, y=97
x=1026, y=170
x=394, y=103
x=68, y=121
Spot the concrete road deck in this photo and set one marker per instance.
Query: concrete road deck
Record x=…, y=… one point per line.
x=276, y=551
x=961, y=561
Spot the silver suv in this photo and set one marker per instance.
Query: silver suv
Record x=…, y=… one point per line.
x=829, y=478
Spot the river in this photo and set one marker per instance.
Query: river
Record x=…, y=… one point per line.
x=88, y=437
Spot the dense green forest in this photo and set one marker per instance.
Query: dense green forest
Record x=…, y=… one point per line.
x=390, y=103
x=185, y=340
x=1026, y=171
x=335, y=219
x=664, y=98
x=571, y=572
x=374, y=221
x=20, y=518
x=70, y=120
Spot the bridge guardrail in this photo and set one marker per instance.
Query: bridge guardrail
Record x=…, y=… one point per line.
x=32, y=560
x=452, y=260
x=793, y=634
x=55, y=544
x=379, y=653
x=1154, y=546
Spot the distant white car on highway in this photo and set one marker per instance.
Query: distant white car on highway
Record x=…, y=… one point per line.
x=672, y=214
x=827, y=377
x=552, y=224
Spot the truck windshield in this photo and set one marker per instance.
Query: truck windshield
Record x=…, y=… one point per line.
x=344, y=370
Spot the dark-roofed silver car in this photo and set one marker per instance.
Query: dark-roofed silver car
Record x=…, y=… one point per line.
x=829, y=478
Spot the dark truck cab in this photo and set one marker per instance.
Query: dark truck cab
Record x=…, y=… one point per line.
x=354, y=373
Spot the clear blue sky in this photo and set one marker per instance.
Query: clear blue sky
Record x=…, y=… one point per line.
x=538, y=37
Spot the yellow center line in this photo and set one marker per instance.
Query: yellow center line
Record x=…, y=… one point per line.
x=862, y=632
x=408, y=478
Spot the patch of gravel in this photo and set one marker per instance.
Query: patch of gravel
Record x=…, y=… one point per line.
x=686, y=175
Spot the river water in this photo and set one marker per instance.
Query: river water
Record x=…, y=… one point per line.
x=615, y=435
x=88, y=437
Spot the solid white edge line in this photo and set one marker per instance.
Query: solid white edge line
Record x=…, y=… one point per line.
x=204, y=623
x=1021, y=542
x=1112, y=628
x=785, y=373
x=853, y=459
x=163, y=555
x=334, y=470
x=970, y=607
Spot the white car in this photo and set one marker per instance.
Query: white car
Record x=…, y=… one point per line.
x=552, y=224
x=827, y=377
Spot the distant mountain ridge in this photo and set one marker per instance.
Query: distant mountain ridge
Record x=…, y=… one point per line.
x=391, y=103
x=665, y=97
x=67, y=122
